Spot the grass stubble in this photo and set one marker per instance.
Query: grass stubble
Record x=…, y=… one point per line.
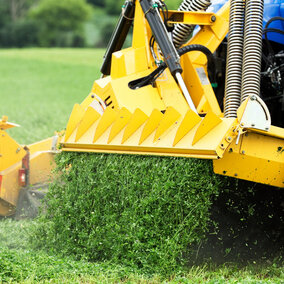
x=19, y=263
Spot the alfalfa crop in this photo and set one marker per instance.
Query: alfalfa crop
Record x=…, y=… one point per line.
x=143, y=212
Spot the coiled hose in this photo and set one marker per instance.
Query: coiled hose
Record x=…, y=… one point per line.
x=234, y=59
x=182, y=32
x=252, y=48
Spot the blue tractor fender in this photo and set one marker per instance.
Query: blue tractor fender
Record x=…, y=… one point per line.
x=272, y=8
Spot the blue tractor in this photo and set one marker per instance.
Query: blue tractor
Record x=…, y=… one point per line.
x=272, y=70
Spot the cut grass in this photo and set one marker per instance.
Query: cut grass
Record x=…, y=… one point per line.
x=40, y=86
x=145, y=212
x=19, y=263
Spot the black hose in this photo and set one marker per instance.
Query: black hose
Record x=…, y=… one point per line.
x=267, y=30
x=150, y=79
x=273, y=30
x=273, y=20
x=205, y=51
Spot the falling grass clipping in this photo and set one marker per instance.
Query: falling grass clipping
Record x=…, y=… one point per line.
x=145, y=212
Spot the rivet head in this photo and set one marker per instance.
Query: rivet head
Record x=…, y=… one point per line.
x=213, y=19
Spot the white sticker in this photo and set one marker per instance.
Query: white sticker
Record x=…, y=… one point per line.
x=202, y=76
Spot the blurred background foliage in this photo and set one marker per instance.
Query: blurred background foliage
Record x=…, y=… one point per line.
x=64, y=23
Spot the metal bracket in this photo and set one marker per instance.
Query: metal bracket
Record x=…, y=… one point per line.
x=54, y=143
x=254, y=114
x=4, y=124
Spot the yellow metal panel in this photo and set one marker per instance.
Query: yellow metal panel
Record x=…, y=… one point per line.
x=211, y=36
x=41, y=166
x=191, y=18
x=146, y=98
x=128, y=61
x=105, y=122
x=6, y=209
x=9, y=190
x=210, y=121
x=135, y=60
x=274, y=131
x=192, y=80
x=142, y=33
x=10, y=151
x=43, y=145
x=138, y=118
x=152, y=123
x=199, y=86
x=258, y=158
x=107, y=95
x=242, y=108
x=212, y=103
x=190, y=120
x=170, y=92
x=75, y=118
x=122, y=119
x=4, y=124
x=118, y=68
x=140, y=60
x=202, y=106
x=98, y=88
x=101, y=88
x=209, y=147
x=156, y=151
x=88, y=119
x=169, y=118
x=221, y=25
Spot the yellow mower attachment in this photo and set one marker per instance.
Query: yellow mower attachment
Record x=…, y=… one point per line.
x=22, y=166
x=153, y=119
x=175, y=115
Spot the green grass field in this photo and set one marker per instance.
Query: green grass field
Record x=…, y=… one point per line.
x=21, y=264
x=38, y=89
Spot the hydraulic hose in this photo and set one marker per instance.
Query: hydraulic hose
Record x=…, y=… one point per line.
x=205, y=51
x=150, y=79
x=270, y=30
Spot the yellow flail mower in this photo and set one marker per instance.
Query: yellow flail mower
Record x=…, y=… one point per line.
x=213, y=96
x=21, y=166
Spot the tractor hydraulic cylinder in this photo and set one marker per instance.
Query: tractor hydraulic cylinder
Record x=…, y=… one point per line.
x=160, y=33
x=119, y=35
